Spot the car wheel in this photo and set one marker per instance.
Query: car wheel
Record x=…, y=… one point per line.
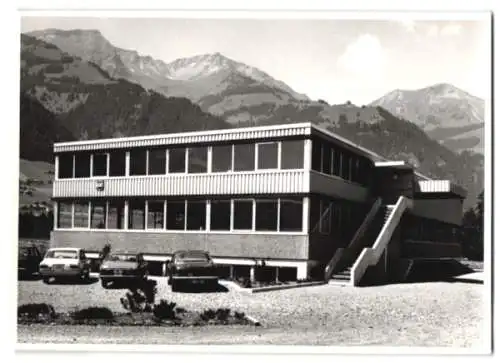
x=46, y=280
x=104, y=284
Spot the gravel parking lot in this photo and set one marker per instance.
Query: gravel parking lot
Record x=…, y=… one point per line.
x=437, y=314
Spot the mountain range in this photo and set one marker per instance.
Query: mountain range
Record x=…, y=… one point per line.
x=447, y=113
x=93, y=89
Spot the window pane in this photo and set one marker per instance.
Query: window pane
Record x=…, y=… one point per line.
x=336, y=162
x=242, y=214
x=136, y=214
x=244, y=157
x=314, y=213
x=82, y=165
x=99, y=165
x=64, y=215
x=316, y=155
x=345, y=166
x=116, y=215
x=355, y=169
x=291, y=214
x=268, y=155
x=196, y=215
x=292, y=154
x=157, y=162
x=197, y=160
x=266, y=215
x=155, y=214
x=175, y=215
x=98, y=215
x=326, y=217
x=65, y=166
x=117, y=163
x=177, y=160
x=220, y=215
x=221, y=158
x=138, y=162
x=81, y=219
x=326, y=159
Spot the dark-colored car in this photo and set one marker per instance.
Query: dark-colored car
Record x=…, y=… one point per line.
x=29, y=258
x=122, y=268
x=195, y=267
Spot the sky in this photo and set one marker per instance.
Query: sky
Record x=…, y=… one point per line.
x=333, y=60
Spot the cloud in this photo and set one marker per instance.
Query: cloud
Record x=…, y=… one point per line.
x=451, y=29
x=409, y=25
x=364, y=57
x=448, y=30
x=433, y=31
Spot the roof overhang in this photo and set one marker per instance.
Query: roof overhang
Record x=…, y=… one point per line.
x=440, y=187
x=401, y=164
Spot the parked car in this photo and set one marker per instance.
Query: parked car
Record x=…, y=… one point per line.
x=64, y=262
x=195, y=267
x=122, y=267
x=28, y=261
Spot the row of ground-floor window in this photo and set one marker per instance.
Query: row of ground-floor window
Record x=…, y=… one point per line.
x=423, y=229
x=314, y=213
x=238, y=272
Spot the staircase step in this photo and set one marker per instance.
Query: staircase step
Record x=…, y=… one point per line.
x=341, y=277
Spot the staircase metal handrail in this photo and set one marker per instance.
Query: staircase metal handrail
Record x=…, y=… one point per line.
x=340, y=253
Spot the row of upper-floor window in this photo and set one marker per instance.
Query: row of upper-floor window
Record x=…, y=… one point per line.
x=333, y=160
x=288, y=154
x=200, y=159
x=265, y=214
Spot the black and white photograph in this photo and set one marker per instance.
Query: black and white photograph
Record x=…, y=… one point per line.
x=254, y=179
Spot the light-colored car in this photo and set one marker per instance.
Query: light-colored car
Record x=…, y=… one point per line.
x=64, y=262
x=122, y=267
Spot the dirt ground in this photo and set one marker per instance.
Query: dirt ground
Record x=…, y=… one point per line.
x=437, y=314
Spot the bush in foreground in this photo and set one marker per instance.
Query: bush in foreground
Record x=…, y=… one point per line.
x=36, y=311
x=93, y=312
x=220, y=315
x=140, y=297
x=165, y=310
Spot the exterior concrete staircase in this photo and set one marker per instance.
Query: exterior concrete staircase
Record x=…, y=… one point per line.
x=342, y=272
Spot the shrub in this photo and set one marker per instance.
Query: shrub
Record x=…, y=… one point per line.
x=140, y=297
x=219, y=314
x=164, y=310
x=105, y=251
x=223, y=314
x=180, y=310
x=208, y=314
x=93, y=312
x=35, y=311
x=239, y=315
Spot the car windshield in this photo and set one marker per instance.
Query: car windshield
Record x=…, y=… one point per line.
x=129, y=258
x=191, y=256
x=62, y=254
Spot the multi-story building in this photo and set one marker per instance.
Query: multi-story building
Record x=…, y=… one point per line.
x=294, y=201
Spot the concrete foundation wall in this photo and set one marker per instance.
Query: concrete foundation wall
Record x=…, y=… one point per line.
x=294, y=247
x=425, y=249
